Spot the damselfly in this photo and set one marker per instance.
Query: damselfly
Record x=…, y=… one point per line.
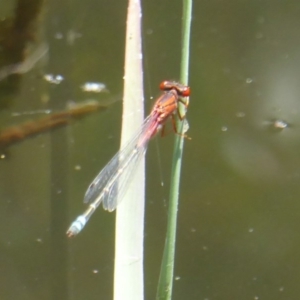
x=111, y=183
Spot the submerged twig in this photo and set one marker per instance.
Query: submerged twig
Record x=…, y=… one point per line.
x=26, y=65
x=17, y=133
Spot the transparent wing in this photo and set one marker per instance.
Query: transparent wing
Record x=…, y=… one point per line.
x=119, y=187
x=112, y=180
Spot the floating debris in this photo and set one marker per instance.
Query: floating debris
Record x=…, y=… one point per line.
x=276, y=125
x=94, y=87
x=55, y=79
x=240, y=114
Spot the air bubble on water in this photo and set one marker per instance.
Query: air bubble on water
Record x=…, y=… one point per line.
x=280, y=124
x=224, y=128
x=58, y=36
x=240, y=114
x=77, y=168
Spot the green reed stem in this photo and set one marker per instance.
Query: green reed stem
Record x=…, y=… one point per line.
x=165, y=284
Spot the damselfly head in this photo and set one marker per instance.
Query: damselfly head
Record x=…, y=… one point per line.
x=182, y=90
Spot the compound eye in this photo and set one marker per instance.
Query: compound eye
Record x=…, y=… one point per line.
x=186, y=91
x=165, y=85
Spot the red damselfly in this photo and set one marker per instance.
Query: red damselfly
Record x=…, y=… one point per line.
x=111, y=183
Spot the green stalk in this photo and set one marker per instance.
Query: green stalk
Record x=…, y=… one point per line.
x=164, y=291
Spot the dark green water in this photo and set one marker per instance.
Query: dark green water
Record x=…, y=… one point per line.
x=238, y=227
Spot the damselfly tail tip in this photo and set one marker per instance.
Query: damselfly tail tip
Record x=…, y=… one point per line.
x=73, y=230
x=76, y=226
x=70, y=233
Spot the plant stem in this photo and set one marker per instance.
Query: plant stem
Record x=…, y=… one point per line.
x=128, y=277
x=165, y=285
